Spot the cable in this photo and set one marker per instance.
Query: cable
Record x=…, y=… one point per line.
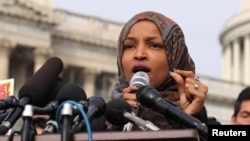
x=82, y=112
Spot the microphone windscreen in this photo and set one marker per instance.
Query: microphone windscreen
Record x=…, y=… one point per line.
x=59, y=84
x=139, y=79
x=98, y=103
x=115, y=110
x=38, y=86
x=71, y=92
x=147, y=96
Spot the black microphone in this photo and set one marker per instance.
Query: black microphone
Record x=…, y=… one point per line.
x=119, y=112
x=6, y=105
x=52, y=104
x=39, y=85
x=8, y=102
x=62, y=92
x=4, y=113
x=58, y=94
x=34, y=91
x=150, y=97
x=96, y=108
x=55, y=90
x=75, y=93
x=69, y=92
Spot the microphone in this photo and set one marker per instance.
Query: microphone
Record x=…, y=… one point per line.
x=96, y=108
x=59, y=94
x=119, y=112
x=139, y=79
x=34, y=91
x=59, y=84
x=73, y=92
x=51, y=127
x=4, y=113
x=150, y=97
x=36, y=88
x=69, y=92
x=52, y=104
x=8, y=102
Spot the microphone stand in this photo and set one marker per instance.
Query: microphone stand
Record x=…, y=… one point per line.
x=13, y=116
x=143, y=124
x=8, y=102
x=28, y=130
x=50, y=127
x=66, y=133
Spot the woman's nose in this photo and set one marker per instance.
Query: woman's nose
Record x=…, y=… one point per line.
x=140, y=54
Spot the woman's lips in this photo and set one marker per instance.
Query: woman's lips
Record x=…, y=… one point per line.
x=137, y=68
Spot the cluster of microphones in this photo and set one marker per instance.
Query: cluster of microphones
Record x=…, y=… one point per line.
x=72, y=112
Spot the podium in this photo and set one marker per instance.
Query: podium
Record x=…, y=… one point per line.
x=162, y=135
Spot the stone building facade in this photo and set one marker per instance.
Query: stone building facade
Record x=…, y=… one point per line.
x=31, y=32
x=235, y=40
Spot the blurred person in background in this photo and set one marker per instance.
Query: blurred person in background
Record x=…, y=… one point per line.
x=241, y=114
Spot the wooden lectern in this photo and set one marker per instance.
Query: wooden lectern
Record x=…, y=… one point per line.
x=162, y=135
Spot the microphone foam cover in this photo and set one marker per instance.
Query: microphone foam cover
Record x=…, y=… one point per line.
x=71, y=92
x=59, y=84
x=114, y=111
x=140, y=78
x=99, y=103
x=38, y=86
x=147, y=96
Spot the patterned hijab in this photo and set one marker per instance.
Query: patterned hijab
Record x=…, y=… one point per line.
x=177, y=52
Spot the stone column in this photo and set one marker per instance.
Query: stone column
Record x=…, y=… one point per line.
x=227, y=63
x=90, y=76
x=5, y=49
x=236, y=61
x=246, y=65
x=40, y=57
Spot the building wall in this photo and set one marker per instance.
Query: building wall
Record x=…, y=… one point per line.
x=235, y=41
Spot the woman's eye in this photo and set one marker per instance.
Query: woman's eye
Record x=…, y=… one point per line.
x=154, y=45
x=127, y=47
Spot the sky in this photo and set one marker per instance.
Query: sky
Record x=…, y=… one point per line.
x=201, y=21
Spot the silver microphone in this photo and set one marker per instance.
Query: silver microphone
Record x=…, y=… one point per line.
x=140, y=79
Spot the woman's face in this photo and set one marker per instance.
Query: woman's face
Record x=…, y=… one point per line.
x=143, y=50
